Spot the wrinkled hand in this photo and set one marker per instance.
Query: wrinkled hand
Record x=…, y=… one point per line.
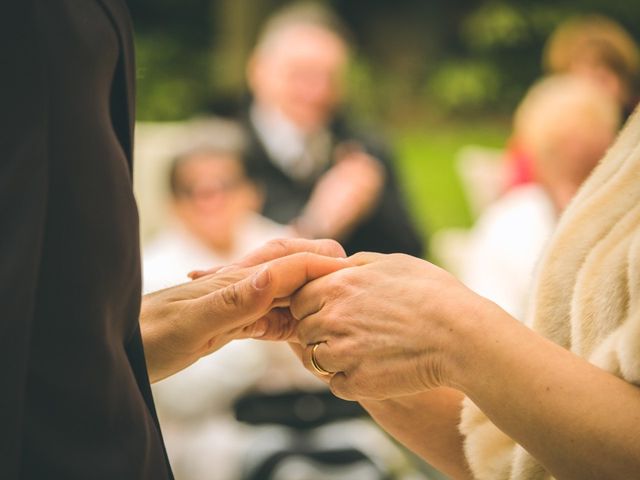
x=249, y=299
x=344, y=197
x=386, y=327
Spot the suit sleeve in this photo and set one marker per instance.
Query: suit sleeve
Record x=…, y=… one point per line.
x=23, y=191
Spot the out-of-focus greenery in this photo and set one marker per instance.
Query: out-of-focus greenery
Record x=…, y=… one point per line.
x=431, y=72
x=446, y=57
x=426, y=167
x=172, y=83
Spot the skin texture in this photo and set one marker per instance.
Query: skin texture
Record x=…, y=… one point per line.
x=183, y=323
x=396, y=330
x=408, y=341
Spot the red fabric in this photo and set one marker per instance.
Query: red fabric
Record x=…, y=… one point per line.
x=519, y=165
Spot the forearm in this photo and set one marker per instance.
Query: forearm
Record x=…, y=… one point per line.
x=427, y=423
x=577, y=420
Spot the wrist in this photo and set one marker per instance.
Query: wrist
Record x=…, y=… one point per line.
x=463, y=320
x=482, y=331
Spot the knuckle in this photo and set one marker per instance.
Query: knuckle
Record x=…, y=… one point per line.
x=360, y=256
x=400, y=257
x=343, y=348
x=306, y=257
x=340, y=284
x=231, y=295
x=302, y=332
x=280, y=246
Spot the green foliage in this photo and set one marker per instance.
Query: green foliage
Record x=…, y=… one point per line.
x=426, y=167
x=464, y=84
x=361, y=88
x=495, y=25
x=449, y=57
x=172, y=82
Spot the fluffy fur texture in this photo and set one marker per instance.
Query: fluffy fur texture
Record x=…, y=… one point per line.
x=587, y=297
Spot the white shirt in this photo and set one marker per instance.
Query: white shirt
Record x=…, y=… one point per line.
x=194, y=404
x=173, y=253
x=297, y=154
x=505, y=246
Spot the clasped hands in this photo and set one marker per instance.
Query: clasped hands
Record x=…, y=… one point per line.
x=382, y=323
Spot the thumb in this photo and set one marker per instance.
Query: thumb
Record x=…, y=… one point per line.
x=245, y=301
x=238, y=304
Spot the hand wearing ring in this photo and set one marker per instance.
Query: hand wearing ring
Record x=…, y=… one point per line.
x=374, y=344
x=316, y=366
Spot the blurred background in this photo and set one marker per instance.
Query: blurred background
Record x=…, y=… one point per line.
x=435, y=75
x=453, y=131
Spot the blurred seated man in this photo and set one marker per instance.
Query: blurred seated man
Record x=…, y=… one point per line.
x=567, y=123
x=215, y=219
x=320, y=176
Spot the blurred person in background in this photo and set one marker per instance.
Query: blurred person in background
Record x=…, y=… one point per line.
x=598, y=48
x=214, y=209
x=594, y=47
x=567, y=123
x=320, y=176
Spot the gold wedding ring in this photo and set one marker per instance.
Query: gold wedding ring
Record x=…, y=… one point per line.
x=316, y=366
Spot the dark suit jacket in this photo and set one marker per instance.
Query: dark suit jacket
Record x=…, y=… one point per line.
x=389, y=229
x=75, y=400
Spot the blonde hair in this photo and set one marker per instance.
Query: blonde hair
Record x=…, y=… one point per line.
x=559, y=106
x=598, y=40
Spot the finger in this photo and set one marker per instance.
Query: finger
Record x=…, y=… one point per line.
x=284, y=247
x=292, y=272
x=312, y=297
x=276, y=325
x=330, y=289
x=325, y=364
x=341, y=387
x=276, y=249
x=245, y=301
x=364, y=258
x=314, y=329
x=196, y=274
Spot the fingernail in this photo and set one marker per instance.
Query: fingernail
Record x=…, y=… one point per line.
x=261, y=279
x=259, y=329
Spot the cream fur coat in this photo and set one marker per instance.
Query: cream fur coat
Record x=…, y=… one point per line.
x=586, y=298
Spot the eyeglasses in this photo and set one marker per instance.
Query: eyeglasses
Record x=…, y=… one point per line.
x=209, y=190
